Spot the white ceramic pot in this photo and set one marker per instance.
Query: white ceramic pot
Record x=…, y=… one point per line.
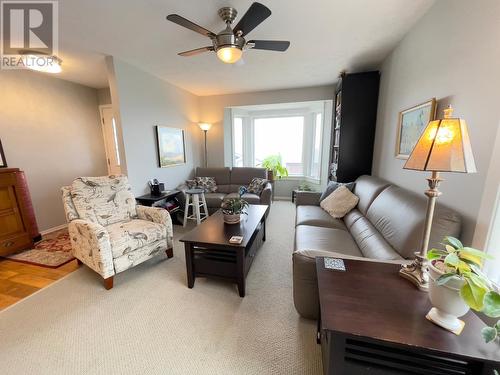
x=232, y=218
x=448, y=305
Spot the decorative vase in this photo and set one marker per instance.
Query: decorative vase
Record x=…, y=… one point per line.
x=232, y=218
x=447, y=303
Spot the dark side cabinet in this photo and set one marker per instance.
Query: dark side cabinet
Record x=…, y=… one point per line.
x=354, y=119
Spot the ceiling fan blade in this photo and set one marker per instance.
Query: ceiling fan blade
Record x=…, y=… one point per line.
x=179, y=20
x=196, y=51
x=256, y=14
x=270, y=45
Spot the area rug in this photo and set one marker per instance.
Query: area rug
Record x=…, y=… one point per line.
x=152, y=323
x=51, y=252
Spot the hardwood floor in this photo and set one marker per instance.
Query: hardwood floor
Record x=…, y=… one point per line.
x=19, y=280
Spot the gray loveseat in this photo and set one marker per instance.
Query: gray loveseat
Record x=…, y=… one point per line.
x=386, y=225
x=229, y=181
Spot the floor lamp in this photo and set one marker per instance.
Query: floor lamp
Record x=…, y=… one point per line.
x=444, y=146
x=205, y=127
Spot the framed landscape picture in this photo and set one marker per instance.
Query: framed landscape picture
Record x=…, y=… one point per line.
x=171, y=150
x=412, y=123
x=3, y=162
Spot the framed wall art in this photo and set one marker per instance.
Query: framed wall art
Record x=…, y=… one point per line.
x=412, y=122
x=3, y=161
x=171, y=146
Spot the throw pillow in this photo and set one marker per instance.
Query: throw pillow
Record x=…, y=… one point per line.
x=206, y=183
x=191, y=184
x=257, y=185
x=340, y=202
x=332, y=186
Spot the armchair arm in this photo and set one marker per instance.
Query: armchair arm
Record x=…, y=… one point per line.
x=307, y=198
x=266, y=194
x=160, y=216
x=90, y=244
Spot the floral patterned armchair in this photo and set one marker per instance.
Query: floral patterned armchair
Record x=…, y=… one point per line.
x=108, y=231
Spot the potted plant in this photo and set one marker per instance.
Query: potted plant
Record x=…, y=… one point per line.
x=233, y=208
x=274, y=166
x=457, y=284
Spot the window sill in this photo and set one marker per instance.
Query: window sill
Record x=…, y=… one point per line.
x=299, y=178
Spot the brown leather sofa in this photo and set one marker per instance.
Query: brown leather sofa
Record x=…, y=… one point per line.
x=386, y=226
x=228, y=182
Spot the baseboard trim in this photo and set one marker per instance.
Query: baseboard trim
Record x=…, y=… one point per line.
x=53, y=229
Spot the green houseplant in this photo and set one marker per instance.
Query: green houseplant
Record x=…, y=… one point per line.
x=274, y=164
x=458, y=265
x=233, y=208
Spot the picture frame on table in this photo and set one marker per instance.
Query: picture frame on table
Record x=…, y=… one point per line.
x=171, y=146
x=411, y=124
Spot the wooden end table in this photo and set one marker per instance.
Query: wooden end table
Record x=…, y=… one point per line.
x=169, y=196
x=209, y=253
x=372, y=321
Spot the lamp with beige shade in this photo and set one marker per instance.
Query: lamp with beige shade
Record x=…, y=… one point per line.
x=444, y=146
x=205, y=127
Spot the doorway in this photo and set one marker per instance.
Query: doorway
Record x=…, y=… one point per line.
x=110, y=134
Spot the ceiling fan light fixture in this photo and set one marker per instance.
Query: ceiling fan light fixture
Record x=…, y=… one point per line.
x=229, y=54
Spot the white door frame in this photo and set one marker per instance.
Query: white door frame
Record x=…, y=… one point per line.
x=106, y=148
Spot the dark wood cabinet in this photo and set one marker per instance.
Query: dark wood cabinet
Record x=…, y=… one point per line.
x=18, y=226
x=354, y=119
x=372, y=322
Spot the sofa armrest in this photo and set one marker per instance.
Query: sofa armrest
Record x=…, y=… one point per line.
x=266, y=194
x=90, y=244
x=307, y=198
x=159, y=216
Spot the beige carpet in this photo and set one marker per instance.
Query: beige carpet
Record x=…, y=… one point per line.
x=151, y=323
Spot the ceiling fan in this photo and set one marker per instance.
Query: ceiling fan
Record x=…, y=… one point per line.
x=230, y=43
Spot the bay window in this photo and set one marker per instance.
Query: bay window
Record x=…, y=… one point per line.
x=295, y=132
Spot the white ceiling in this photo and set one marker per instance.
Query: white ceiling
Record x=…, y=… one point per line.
x=327, y=36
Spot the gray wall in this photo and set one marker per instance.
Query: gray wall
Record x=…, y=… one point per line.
x=452, y=54
x=145, y=101
x=212, y=111
x=50, y=129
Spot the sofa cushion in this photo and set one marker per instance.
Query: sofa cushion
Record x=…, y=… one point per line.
x=333, y=185
x=316, y=216
x=249, y=197
x=128, y=236
x=257, y=185
x=311, y=238
x=370, y=241
x=224, y=189
x=367, y=188
x=339, y=202
x=221, y=175
x=103, y=200
x=399, y=215
x=208, y=184
x=214, y=200
x=351, y=218
x=244, y=175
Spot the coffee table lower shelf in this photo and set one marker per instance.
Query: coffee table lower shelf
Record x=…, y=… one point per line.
x=209, y=253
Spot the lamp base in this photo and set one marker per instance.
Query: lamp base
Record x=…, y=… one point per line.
x=416, y=272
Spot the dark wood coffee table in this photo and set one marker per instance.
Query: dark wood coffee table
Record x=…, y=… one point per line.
x=373, y=322
x=209, y=253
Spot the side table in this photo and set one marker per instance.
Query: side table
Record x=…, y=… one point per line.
x=372, y=321
x=171, y=203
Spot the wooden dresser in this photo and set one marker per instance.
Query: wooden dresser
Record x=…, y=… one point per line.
x=18, y=228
